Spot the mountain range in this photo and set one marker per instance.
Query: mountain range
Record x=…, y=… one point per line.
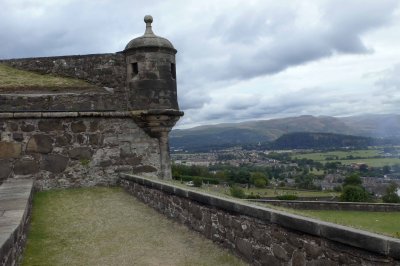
x=261, y=131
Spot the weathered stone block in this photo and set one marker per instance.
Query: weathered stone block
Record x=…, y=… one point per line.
x=298, y=258
x=78, y=127
x=63, y=140
x=47, y=125
x=40, y=143
x=94, y=126
x=312, y=250
x=95, y=139
x=394, y=249
x=295, y=222
x=12, y=126
x=245, y=248
x=144, y=169
x=5, y=169
x=354, y=237
x=279, y=252
x=81, y=139
x=54, y=163
x=80, y=153
x=26, y=167
x=18, y=136
x=267, y=259
x=10, y=150
x=27, y=127
x=262, y=237
x=321, y=262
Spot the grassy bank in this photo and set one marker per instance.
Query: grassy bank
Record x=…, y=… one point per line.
x=14, y=79
x=106, y=226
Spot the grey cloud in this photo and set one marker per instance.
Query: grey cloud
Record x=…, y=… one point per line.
x=390, y=80
x=193, y=100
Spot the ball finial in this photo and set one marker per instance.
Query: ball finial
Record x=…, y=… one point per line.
x=148, y=19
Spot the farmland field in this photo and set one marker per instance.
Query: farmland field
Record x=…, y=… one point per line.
x=366, y=156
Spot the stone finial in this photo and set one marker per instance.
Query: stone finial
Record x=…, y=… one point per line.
x=148, y=20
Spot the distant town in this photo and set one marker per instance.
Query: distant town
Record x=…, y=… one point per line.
x=378, y=167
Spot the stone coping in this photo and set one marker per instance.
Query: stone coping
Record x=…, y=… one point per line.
x=64, y=114
x=15, y=201
x=349, y=236
x=55, y=57
x=67, y=114
x=331, y=205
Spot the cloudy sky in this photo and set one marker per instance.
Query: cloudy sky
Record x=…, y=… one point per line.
x=237, y=59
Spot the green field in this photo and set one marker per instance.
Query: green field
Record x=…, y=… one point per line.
x=263, y=192
x=269, y=192
x=106, y=226
x=386, y=223
x=367, y=157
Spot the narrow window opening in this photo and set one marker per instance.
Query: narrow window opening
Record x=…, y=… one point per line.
x=135, y=69
x=173, y=71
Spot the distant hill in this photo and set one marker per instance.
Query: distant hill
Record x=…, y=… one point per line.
x=252, y=132
x=310, y=140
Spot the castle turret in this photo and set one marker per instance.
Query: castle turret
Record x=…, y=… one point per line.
x=151, y=71
x=151, y=84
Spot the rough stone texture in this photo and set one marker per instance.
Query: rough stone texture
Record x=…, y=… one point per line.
x=80, y=153
x=103, y=70
x=9, y=149
x=5, y=169
x=234, y=226
x=26, y=166
x=15, y=210
x=54, y=163
x=40, y=143
x=77, y=151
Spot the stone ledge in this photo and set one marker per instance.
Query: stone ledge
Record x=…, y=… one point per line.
x=67, y=114
x=15, y=206
x=349, y=236
x=332, y=205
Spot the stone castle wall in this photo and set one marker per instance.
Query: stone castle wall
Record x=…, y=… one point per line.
x=74, y=149
x=264, y=236
x=106, y=71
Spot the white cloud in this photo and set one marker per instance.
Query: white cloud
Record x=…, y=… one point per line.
x=237, y=59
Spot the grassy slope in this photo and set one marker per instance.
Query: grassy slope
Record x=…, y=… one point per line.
x=105, y=226
x=11, y=78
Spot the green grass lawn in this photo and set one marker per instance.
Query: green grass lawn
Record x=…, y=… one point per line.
x=11, y=78
x=386, y=223
x=106, y=226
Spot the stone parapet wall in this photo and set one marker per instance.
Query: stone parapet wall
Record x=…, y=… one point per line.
x=15, y=211
x=74, y=149
x=264, y=236
x=59, y=102
x=330, y=205
x=103, y=70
